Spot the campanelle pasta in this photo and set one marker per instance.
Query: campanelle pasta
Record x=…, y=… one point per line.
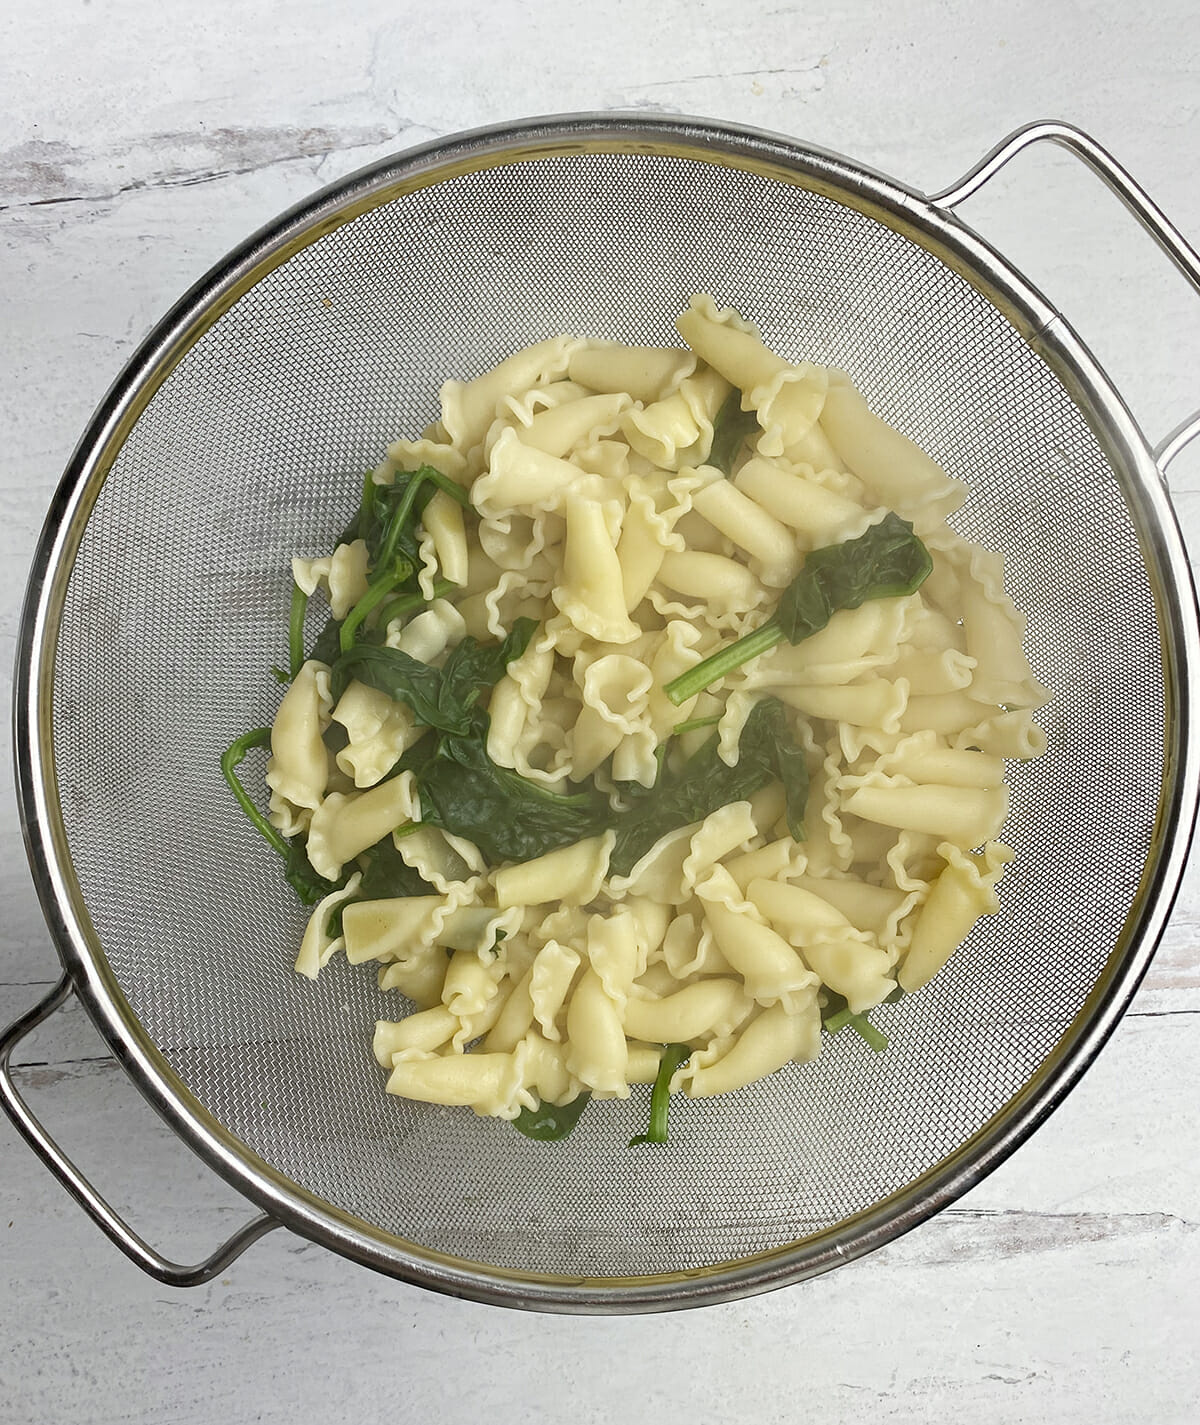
x=594, y=490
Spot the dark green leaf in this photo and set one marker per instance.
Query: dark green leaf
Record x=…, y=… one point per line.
x=886, y=561
x=400, y=676
x=673, y=1057
x=704, y=783
x=507, y=816
x=307, y=884
x=549, y=1122
x=731, y=429
x=767, y=739
x=327, y=647
x=388, y=875
x=439, y=697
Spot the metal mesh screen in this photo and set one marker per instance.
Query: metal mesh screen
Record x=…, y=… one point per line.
x=178, y=605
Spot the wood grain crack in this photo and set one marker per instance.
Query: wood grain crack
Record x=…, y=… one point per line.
x=40, y=173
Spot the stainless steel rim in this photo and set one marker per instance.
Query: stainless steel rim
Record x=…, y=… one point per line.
x=889, y=202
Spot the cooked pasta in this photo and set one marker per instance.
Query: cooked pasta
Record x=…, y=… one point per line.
x=659, y=709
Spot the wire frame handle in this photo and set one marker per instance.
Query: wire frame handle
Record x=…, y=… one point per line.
x=100, y=1211
x=1128, y=190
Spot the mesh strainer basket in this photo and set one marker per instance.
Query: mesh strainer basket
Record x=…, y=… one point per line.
x=160, y=587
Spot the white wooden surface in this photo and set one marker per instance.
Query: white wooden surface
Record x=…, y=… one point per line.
x=137, y=143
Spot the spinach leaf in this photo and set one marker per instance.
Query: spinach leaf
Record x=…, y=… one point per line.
x=298, y=870
x=731, y=429
x=439, y=697
x=507, y=816
x=387, y=520
x=704, y=783
x=388, y=875
x=886, y=561
x=674, y=1057
x=549, y=1122
x=327, y=646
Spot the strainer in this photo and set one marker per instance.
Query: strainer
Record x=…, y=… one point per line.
x=160, y=588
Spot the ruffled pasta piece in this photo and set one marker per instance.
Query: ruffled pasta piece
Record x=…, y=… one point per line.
x=546, y=1076
x=869, y=702
x=689, y=949
x=444, y=860
x=772, y=970
x=781, y=859
x=582, y=422
x=899, y=475
x=318, y=947
x=707, y=1008
x=443, y=522
x=845, y=958
x=651, y=920
x=410, y=455
x=964, y=816
x=770, y=545
x=787, y=399
x=419, y=977
x=343, y=574
x=945, y=713
x=515, y=707
x=590, y=592
x=597, y=1054
x=678, y=430
x=425, y=1031
x=378, y=732
x=994, y=626
x=491, y=1084
x=614, y=718
x=853, y=643
x=827, y=846
x=922, y=758
x=347, y=824
x=481, y=929
x=721, y=584
x=401, y=927
x=469, y=407
x=677, y=650
x=521, y=478
x=471, y=983
x=815, y=449
x=963, y=892
x=429, y=634
x=776, y=1037
x=522, y=542
x=518, y=411
x=572, y=875
x=515, y=596
x=929, y=672
x=645, y=373
x=911, y=863
x=671, y=868
x=876, y=909
x=298, y=768
x=616, y=952
x=551, y=977
x=1008, y=734
x=513, y=1019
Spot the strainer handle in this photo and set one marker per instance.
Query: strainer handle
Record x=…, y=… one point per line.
x=1132, y=194
x=114, y=1227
